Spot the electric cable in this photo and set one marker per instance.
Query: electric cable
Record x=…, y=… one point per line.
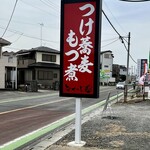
x=50, y=5
x=109, y=39
x=110, y=43
x=114, y=17
x=42, y=10
x=111, y=23
x=29, y=36
x=10, y=19
x=120, y=37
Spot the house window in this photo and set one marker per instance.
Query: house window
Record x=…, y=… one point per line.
x=106, y=55
x=45, y=75
x=10, y=59
x=105, y=66
x=100, y=66
x=50, y=58
x=55, y=75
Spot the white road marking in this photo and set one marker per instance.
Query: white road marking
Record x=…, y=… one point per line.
x=24, y=108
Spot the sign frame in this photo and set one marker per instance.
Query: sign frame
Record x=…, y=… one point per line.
x=97, y=43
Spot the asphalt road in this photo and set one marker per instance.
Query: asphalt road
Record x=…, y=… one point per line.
x=25, y=112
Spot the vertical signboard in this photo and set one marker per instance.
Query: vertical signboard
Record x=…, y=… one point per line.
x=80, y=42
x=139, y=68
x=143, y=66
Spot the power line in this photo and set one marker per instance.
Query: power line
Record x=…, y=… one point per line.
x=120, y=37
x=29, y=36
x=42, y=10
x=10, y=18
x=111, y=23
x=129, y=53
x=109, y=39
x=114, y=17
x=109, y=43
x=51, y=5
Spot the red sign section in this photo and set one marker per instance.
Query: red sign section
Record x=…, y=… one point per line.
x=78, y=50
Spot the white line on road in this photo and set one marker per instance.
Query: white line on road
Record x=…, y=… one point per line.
x=24, y=108
x=26, y=98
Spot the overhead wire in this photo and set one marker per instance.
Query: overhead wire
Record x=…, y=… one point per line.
x=129, y=53
x=110, y=43
x=42, y=10
x=51, y=5
x=20, y=33
x=114, y=17
x=109, y=39
x=111, y=23
x=120, y=37
x=10, y=19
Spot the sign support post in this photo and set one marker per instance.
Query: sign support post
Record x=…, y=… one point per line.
x=78, y=121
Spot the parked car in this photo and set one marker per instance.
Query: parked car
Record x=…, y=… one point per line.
x=120, y=85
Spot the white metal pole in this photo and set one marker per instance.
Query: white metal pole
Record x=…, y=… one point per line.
x=78, y=121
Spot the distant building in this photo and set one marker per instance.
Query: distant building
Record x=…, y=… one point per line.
x=119, y=72
x=40, y=64
x=106, y=62
x=8, y=67
x=116, y=72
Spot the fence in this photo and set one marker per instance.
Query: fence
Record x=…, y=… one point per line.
x=137, y=91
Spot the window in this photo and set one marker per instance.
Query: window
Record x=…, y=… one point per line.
x=10, y=59
x=55, y=75
x=50, y=58
x=100, y=65
x=106, y=55
x=45, y=75
x=105, y=66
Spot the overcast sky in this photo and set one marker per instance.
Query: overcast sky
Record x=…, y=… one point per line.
x=24, y=31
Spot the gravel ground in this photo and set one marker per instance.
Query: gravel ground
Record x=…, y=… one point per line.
x=126, y=128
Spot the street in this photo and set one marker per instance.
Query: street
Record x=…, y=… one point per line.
x=25, y=112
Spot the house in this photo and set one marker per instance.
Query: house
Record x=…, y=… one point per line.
x=106, y=62
x=8, y=67
x=119, y=72
x=40, y=64
x=116, y=72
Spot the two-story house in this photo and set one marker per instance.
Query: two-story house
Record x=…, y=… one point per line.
x=8, y=68
x=40, y=64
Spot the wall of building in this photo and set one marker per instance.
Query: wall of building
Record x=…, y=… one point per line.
x=6, y=61
x=49, y=82
x=106, y=67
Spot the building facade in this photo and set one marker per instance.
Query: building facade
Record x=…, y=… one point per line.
x=106, y=62
x=8, y=68
x=39, y=64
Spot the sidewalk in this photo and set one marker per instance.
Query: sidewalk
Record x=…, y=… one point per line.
x=127, y=127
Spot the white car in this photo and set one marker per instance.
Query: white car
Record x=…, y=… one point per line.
x=120, y=85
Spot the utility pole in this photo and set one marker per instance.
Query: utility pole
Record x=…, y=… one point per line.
x=127, y=75
x=41, y=24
